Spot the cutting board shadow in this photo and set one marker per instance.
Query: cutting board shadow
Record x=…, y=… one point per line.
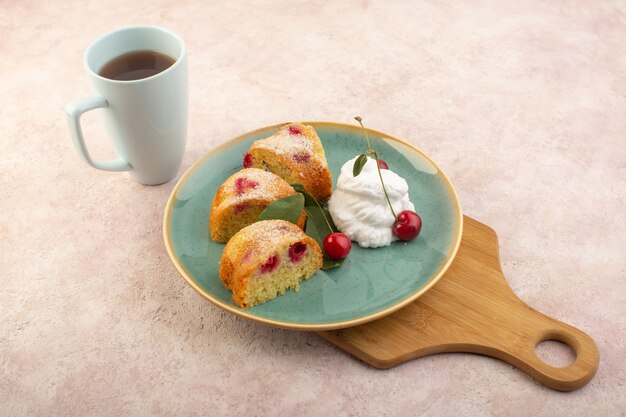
x=472, y=309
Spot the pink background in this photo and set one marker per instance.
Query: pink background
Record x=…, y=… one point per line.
x=521, y=103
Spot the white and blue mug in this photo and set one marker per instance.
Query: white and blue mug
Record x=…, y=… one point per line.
x=146, y=118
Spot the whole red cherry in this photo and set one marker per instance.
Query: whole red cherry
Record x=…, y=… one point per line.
x=382, y=164
x=337, y=245
x=407, y=225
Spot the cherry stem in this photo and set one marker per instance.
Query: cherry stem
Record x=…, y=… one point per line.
x=380, y=175
x=369, y=148
x=375, y=154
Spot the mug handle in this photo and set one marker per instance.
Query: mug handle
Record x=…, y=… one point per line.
x=73, y=111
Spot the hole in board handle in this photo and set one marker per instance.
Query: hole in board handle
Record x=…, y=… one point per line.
x=555, y=353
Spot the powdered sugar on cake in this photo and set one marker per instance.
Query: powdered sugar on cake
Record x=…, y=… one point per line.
x=267, y=235
x=253, y=183
x=297, y=146
x=296, y=154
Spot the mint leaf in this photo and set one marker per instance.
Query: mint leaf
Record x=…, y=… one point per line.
x=359, y=164
x=287, y=208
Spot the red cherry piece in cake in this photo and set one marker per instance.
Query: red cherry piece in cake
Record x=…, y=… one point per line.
x=247, y=160
x=271, y=264
x=337, y=245
x=296, y=251
x=240, y=208
x=407, y=226
x=382, y=164
x=295, y=130
x=243, y=185
x=301, y=157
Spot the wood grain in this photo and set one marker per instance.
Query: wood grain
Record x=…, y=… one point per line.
x=472, y=309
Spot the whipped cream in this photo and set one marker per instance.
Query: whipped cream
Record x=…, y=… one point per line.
x=359, y=208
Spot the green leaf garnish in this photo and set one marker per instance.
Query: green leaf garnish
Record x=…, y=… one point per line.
x=309, y=200
x=359, y=164
x=317, y=228
x=298, y=187
x=319, y=224
x=328, y=263
x=287, y=208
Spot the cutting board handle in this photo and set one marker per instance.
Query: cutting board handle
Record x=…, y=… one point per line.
x=472, y=309
x=523, y=328
x=520, y=351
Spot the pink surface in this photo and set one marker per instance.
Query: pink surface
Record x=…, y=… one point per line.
x=521, y=103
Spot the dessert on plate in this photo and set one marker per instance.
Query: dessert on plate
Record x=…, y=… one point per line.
x=264, y=259
x=242, y=197
x=294, y=153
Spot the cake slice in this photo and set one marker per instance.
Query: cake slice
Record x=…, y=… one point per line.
x=294, y=153
x=242, y=197
x=265, y=259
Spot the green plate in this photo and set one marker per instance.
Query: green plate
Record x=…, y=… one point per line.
x=371, y=283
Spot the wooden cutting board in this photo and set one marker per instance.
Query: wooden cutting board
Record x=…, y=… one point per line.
x=472, y=309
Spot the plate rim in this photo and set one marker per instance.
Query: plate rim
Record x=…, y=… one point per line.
x=167, y=215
